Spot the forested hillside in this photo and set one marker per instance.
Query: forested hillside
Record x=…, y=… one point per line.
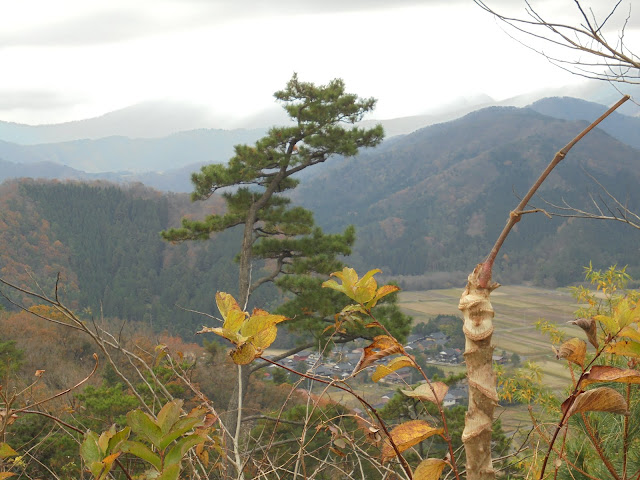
x=105, y=242
x=426, y=207
x=435, y=200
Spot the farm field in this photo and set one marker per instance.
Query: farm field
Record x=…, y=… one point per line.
x=517, y=308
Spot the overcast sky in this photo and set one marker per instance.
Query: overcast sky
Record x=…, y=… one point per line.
x=71, y=59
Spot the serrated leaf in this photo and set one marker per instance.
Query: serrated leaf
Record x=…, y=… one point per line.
x=627, y=348
x=395, y=364
x=169, y=415
x=407, y=435
x=381, y=347
x=425, y=392
x=429, y=469
x=605, y=373
x=140, y=450
x=6, y=451
x=142, y=424
x=601, y=399
x=574, y=350
x=181, y=447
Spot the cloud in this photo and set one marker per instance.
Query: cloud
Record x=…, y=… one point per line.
x=34, y=100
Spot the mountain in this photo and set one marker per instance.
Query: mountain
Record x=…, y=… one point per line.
x=151, y=119
x=619, y=126
x=435, y=200
x=113, y=154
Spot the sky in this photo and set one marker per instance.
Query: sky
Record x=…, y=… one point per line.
x=67, y=60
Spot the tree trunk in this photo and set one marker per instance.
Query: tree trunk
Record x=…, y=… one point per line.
x=478, y=353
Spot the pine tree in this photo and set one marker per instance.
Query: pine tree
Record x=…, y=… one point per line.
x=295, y=252
x=272, y=228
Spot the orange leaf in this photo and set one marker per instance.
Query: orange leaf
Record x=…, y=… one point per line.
x=603, y=373
x=385, y=346
x=602, y=399
x=407, y=435
x=429, y=469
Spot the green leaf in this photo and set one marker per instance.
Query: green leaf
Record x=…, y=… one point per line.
x=140, y=450
x=181, y=427
x=117, y=439
x=169, y=415
x=103, y=441
x=142, y=424
x=171, y=472
x=89, y=449
x=182, y=446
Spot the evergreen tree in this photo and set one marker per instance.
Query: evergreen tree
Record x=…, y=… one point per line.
x=281, y=235
x=272, y=229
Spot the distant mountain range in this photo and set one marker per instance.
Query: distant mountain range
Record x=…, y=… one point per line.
x=166, y=162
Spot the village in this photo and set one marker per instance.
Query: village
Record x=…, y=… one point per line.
x=431, y=350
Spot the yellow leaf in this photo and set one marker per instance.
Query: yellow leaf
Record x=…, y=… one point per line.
x=231, y=312
x=604, y=373
x=429, y=469
x=4, y=475
x=574, y=350
x=245, y=354
x=602, y=399
x=610, y=323
x=395, y=364
x=382, y=292
x=365, y=288
x=425, y=392
x=407, y=435
x=631, y=333
x=625, y=348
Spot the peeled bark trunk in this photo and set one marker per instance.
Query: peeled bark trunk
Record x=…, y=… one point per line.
x=478, y=330
x=483, y=398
